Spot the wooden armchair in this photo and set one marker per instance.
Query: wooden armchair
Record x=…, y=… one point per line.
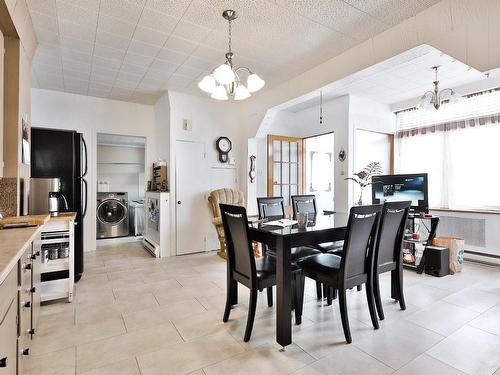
x=226, y=196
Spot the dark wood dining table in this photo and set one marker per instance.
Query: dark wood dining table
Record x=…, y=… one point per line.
x=321, y=229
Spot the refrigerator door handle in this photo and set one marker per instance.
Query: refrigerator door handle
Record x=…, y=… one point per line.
x=86, y=159
x=86, y=196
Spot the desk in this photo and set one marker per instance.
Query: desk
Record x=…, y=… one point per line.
x=324, y=228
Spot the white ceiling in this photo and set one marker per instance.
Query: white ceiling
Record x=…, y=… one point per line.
x=403, y=77
x=134, y=50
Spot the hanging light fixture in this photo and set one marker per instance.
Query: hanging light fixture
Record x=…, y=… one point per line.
x=225, y=82
x=321, y=107
x=435, y=98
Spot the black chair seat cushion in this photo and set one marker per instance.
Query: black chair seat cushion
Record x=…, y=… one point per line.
x=321, y=263
x=266, y=267
x=297, y=252
x=330, y=246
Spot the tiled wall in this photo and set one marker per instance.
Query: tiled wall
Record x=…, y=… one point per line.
x=8, y=196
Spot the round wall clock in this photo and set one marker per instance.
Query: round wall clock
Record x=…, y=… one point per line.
x=223, y=145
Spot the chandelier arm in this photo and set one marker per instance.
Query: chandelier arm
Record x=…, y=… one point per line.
x=427, y=93
x=243, y=68
x=446, y=90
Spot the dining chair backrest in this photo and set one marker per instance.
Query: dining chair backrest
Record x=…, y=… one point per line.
x=391, y=232
x=239, y=247
x=304, y=203
x=359, y=241
x=271, y=207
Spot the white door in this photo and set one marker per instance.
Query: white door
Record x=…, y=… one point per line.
x=191, y=189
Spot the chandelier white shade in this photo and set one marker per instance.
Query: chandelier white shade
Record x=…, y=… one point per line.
x=225, y=81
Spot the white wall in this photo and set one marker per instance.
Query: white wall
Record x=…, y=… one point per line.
x=210, y=120
x=123, y=167
x=89, y=115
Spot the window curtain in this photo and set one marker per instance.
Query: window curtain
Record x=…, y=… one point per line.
x=460, y=155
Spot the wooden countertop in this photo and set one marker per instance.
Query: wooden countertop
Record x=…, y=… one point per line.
x=13, y=243
x=64, y=216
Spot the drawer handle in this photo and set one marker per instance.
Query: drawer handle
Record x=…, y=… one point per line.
x=31, y=331
x=27, y=304
x=3, y=362
x=37, y=254
x=32, y=290
x=27, y=266
x=25, y=352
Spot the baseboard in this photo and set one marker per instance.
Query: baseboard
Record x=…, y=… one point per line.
x=482, y=258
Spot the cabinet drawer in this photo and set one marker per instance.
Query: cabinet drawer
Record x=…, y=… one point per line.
x=8, y=342
x=8, y=291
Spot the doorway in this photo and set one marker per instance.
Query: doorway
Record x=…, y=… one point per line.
x=191, y=187
x=120, y=186
x=319, y=169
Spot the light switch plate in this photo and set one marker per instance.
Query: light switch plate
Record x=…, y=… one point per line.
x=232, y=161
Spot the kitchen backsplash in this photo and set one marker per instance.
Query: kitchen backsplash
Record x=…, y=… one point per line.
x=8, y=196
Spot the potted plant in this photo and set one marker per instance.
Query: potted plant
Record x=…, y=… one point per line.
x=364, y=177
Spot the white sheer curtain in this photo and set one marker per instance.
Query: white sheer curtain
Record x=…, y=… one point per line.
x=463, y=165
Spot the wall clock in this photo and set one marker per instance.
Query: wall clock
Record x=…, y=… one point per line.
x=223, y=145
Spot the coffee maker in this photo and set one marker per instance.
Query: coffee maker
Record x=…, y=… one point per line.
x=45, y=197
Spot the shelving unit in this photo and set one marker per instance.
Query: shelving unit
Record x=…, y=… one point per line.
x=426, y=227
x=57, y=275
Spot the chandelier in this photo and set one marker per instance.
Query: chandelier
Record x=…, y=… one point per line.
x=225, y=81
x=435, y=98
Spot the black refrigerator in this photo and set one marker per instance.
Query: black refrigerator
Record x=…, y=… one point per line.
x=63, y=154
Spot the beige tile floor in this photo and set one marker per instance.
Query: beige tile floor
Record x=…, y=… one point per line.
x=134, y=314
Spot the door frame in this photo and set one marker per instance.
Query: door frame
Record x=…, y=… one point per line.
x=270, y=160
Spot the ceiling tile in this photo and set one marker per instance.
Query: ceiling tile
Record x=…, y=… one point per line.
x=91, y=5
x=165, y=66
x=76, y=66
x=76, y=55
x=175, y=8
x=179, y=81
x=156, y=76
x=129, y=10
x=47, y=7
x=112, y=40
x=79, y=45
x=66, y=11
x=44, y=22
x=179, y=44
x=76, y=74
x=188, y=71
x=157, y=21
x=150, y=36
x=190, y=31
x=172, y=56
x=200, y=64
x=135, y=59
x=134, y=69
x=47, y=36
x=116, y=26
x=103, y=77
x=102, y=62
x=73, y=30
x=141, y=48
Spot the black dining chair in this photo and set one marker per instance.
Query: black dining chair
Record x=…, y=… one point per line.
x=273, y=208
x=389, y=251
x=254, y=273
x=355, y=267
x=307, y=203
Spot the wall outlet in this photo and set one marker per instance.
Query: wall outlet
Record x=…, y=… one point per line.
x=232, y=161
x=187, y=125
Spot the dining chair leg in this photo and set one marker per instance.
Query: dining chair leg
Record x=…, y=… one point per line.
x=371, y=304
x=270, y=296
x=343, y=314
x=329, y=296
x=251, y=314
x=376, y=295
x=231, y=295
x=334, y=293
x=299, y=297
x=399, y=285
x=319, y=295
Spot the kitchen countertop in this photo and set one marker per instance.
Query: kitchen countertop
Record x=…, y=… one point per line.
x=64, y=216
x=13, y=243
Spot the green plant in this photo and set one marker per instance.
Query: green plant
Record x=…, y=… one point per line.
x=364, y=177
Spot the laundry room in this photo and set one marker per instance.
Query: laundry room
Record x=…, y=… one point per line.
x=120, y=187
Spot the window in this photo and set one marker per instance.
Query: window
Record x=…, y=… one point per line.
x=461, y=156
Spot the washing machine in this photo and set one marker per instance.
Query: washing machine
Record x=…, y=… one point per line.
x=112, y=215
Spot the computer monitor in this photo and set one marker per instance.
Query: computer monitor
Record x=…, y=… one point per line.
x=402, y=187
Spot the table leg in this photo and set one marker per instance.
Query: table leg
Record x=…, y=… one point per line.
x=284, y=293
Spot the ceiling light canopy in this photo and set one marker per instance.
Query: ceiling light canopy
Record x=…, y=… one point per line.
x=225, y=81
x=435, y=98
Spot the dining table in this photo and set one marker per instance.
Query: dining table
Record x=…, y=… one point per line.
x=321, y=228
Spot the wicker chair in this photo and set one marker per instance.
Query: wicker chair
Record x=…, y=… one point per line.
x=226, y=196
